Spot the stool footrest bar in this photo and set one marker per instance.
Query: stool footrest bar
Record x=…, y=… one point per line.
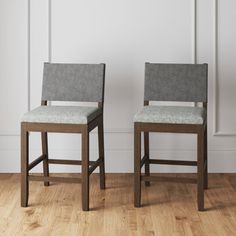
x=143, y=161
x=173, y=162
x=168, y=179
x=55, y=179
x=67, y=162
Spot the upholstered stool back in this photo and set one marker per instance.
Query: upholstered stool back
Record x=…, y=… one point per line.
x=73, y=82
x=175, y=82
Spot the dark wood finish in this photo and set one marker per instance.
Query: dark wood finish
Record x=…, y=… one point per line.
x=95, y=123
x=205, y=160
x=100, y=104
x=137, y=165
x=36, y=162
x=172, y=162
x=24, y=166
x=94, y=165
x=170, y=128
x=44, y=138
x=201, y=163
x=55, y=179
x=146, y=151
x=200, y=169
x=61, y=128
x=85, y=169
x=67, y=162
x=87, y=166
x=168, y=179
x=101, y=154
x=64, y=162
x=43, y=103
x=205, y=153
x=53, y=127
x=143, y=160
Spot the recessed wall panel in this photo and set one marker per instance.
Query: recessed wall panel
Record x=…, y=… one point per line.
x=13, y=64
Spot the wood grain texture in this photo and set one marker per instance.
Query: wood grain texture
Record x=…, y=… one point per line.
x=169, y=209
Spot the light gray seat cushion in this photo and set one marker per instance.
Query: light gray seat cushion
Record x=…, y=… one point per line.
x=62, y=114
x=171, y=115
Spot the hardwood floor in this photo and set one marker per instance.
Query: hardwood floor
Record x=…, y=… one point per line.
x=168, y=208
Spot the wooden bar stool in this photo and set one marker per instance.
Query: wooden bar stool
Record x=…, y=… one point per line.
x=172, y=82
x=66, y=82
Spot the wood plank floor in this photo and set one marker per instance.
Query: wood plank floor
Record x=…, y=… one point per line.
x=168, y=208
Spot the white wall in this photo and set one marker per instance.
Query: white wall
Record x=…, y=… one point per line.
x=123, y=34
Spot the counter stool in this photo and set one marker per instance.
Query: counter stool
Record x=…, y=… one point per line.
x=176, y=83
x=66, y=82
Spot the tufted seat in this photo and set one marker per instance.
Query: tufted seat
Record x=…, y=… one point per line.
x=171, y=115
x=62, y=114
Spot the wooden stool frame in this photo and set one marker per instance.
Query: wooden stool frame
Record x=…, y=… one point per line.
x=87, y=166
x=201, y=163
x=55, y=77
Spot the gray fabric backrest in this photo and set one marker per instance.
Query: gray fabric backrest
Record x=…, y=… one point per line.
x=175, y=82
x=73, y=82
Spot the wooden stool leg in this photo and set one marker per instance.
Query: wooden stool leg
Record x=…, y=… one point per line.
x=85, y=169
x=44, y=138
x=206, y=160
x=24, y=166
x=137, y=166
x=146, y=152
x=200, y=170
x=101, y=154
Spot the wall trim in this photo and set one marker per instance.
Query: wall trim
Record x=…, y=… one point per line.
x=49, y=30
x=7, y=134
x=216, y=131
x=27, y=69
x=29, y=56
x=194, y=31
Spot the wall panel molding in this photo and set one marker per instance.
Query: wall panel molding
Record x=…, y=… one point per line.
x=216, y=131
x=28, y=54
x=194, y=31
x=14, y=70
